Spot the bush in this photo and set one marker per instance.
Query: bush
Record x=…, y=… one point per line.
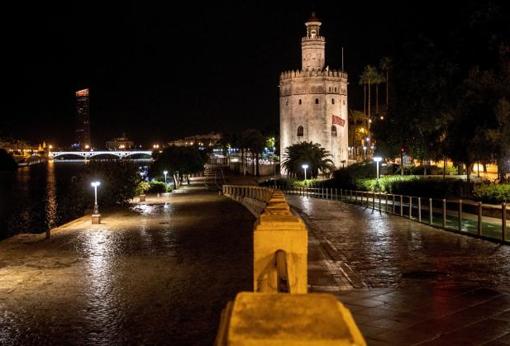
x=143, y=187
x=384, y=184
x=492, y=193
x=419, y=186
x=158, y=187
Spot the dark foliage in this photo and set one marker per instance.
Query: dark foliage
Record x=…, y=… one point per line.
x=7, y=162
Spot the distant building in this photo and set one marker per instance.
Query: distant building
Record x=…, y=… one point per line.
x=206, y=140
x=120, y=143
x=82, y=140
x=313, y=100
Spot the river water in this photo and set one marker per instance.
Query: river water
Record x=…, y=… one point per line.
x=32, y=199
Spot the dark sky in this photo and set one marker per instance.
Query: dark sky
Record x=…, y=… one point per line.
x=158, y=70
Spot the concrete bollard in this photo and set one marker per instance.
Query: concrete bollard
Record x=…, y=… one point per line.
x=287, y=319
x=96, y=219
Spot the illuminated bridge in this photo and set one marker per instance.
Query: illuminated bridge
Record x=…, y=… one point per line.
x=107, y=154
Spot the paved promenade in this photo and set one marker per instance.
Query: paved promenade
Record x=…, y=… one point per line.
x=157, y=275
x=407, y=283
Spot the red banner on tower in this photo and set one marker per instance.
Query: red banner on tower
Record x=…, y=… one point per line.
x=338, y=121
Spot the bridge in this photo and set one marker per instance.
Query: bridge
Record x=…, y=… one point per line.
x=86, y=155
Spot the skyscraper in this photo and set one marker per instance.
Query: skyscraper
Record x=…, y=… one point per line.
x=82, y=120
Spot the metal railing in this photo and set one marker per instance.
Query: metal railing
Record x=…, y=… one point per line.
x=487, y=221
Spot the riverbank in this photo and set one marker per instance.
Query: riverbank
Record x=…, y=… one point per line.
x=158, y=274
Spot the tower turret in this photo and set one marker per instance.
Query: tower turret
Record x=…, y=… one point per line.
x=313, y=46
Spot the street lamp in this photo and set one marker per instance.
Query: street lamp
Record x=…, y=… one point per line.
x=305, y=167
x=377, y=159
x=95, y=184
x=165, y=173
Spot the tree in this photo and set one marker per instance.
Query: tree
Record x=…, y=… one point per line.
x=422, y=101
x=255, y=142
x=474, y=133
x=179, y=161
x=316, y=157
x=378, y=79
x=119, y=181
x=367, y=78
x=385, y=66
x=7, y=162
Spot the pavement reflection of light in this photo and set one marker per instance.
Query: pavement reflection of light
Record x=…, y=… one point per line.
x=101, y=248
x=145, y=208
x=307, y=205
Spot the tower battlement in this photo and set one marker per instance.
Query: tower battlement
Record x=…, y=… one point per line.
x=292, y=74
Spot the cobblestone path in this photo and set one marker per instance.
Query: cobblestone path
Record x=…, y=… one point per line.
x=407, y=283
x=157, y=275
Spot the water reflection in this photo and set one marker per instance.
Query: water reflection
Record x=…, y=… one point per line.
x=51, y=196
x=32, y=199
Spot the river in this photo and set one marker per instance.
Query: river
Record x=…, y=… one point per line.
x=32, y=199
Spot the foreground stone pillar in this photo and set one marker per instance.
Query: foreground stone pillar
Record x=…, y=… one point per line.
x=141, y=198
x=96, y=219
x=287, y=319
x=280, y=232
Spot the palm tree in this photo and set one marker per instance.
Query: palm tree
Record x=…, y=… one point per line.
x=378, y=79
x=363, y=81
x=255, y=142
x=316, y=157
x=385, y=66
x=368, y=77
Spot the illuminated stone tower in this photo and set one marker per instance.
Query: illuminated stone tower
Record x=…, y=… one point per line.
x=313, y=100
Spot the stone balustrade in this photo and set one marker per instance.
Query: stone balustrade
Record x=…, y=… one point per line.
x=280, y=253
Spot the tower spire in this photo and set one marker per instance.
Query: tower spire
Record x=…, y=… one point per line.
x=313, y=45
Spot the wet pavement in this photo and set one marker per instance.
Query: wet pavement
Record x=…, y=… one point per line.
x=159, y=274
x=162, y=273
x=407, y=283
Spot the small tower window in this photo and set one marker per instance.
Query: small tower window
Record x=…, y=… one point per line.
x=316, y=101
x=333, y=131
x=287, y=102
x=332, y=101
x=344, y=102
x=299, y=102
x=300, y=131
x=335, y=89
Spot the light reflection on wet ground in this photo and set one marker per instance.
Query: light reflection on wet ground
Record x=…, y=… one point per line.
x=409, y=284
x=390, y=251
x=156, y=275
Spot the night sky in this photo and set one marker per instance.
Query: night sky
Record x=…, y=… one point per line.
x=158, y=71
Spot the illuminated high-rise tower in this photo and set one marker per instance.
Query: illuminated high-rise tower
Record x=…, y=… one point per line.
x=83, y=119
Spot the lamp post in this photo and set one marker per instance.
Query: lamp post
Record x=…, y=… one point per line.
x=165, y=173
x=305, y=167
x=377, y=159
x=96, y=217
